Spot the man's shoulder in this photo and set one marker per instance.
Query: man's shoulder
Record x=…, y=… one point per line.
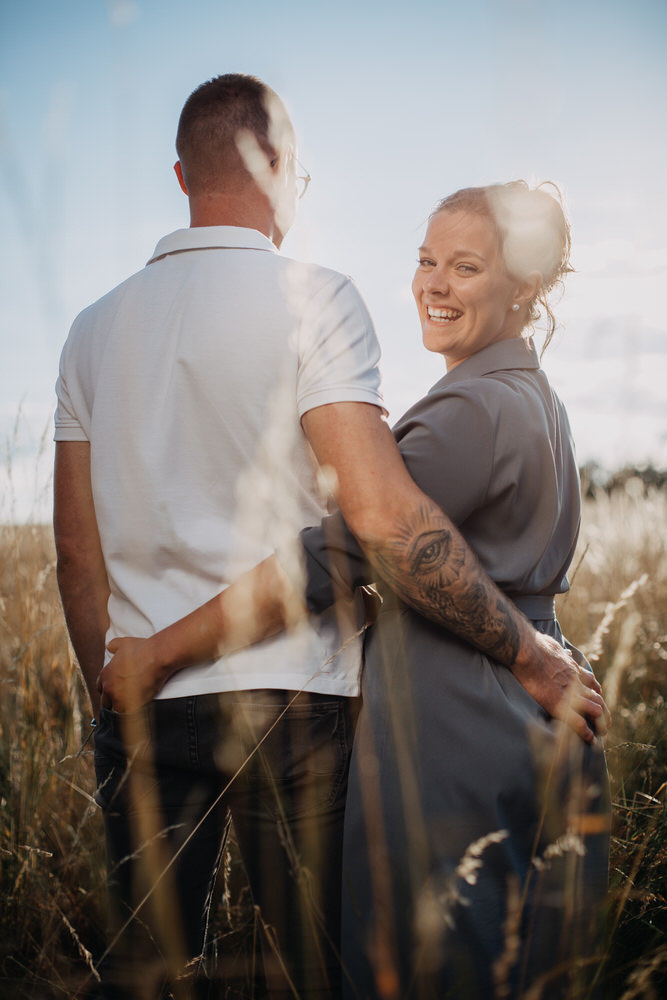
x=316, y=272
x=108, y=303
x=322, y=286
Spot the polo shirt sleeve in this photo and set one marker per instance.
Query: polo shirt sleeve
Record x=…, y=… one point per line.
x=338, y=349
x=71, y=411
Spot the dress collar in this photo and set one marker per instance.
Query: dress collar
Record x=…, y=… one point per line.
x=212, y=238
x=504, y=355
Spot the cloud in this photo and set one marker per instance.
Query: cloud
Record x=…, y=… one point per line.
x=611, y=285
x=618, y=256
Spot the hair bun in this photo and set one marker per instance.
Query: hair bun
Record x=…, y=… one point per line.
x=534, y=229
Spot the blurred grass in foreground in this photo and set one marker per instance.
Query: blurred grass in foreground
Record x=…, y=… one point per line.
x=51, y=839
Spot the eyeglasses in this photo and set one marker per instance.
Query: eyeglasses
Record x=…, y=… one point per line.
x=302, y=180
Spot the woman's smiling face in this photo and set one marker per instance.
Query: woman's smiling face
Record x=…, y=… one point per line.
x=463, y=291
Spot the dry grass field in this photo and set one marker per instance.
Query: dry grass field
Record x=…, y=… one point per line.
x=51, y=848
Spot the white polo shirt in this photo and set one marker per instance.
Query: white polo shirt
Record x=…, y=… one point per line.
x=189, y=381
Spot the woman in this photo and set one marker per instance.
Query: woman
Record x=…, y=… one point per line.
x=476, y=838
x=476, y=834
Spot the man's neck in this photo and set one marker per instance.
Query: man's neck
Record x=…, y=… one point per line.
x=247, y=213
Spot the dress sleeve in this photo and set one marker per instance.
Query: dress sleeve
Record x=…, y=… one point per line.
x=447, y=443
x=335, y=564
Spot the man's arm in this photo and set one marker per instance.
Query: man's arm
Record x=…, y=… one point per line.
x=420, y=553
x=409, y=540
x=82, y=576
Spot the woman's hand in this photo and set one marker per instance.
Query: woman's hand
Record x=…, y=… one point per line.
x=132, y=677
x=261, y=603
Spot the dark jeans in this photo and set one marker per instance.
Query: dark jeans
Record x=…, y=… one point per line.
x=168, y=777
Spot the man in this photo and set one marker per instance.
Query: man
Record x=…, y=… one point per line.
x=188, y=401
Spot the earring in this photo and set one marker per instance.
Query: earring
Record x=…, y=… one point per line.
x=515, y=307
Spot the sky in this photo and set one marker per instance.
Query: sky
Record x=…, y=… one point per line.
x=396, y=105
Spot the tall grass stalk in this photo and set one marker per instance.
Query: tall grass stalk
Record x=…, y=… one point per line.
x=51, y=840
x=50, y=836
x=617, y=612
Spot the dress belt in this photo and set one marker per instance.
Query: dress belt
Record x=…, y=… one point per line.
x=535, y=606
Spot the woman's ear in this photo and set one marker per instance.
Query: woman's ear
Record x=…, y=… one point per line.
x=528, y=288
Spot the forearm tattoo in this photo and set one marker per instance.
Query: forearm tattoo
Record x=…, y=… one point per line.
x=432, y=569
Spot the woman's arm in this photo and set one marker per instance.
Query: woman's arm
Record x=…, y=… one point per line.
x=259, y=604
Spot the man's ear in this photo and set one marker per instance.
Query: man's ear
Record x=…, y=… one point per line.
x=179, y=174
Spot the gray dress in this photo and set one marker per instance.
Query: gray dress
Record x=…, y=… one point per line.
x=476, y=837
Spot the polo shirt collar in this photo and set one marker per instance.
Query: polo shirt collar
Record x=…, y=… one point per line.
x=212, y=238
x=504, y=355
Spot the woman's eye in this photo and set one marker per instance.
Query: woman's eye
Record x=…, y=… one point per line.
x=467, y=268
x=425, y=262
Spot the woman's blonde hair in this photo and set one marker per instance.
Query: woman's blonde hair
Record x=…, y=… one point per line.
x=533, y=234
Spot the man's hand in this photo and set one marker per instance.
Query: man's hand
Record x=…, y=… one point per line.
x=132, y=678
x=563, y=688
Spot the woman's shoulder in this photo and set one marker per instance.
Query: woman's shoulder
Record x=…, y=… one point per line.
x=513, y=406
x=445, y=403
x=488, y=393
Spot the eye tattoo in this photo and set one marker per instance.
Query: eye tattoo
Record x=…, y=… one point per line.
x=430, y=551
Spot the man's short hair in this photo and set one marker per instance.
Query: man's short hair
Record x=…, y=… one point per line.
x=210, y=123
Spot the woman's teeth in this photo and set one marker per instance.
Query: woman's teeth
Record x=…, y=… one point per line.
x=443, y=315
